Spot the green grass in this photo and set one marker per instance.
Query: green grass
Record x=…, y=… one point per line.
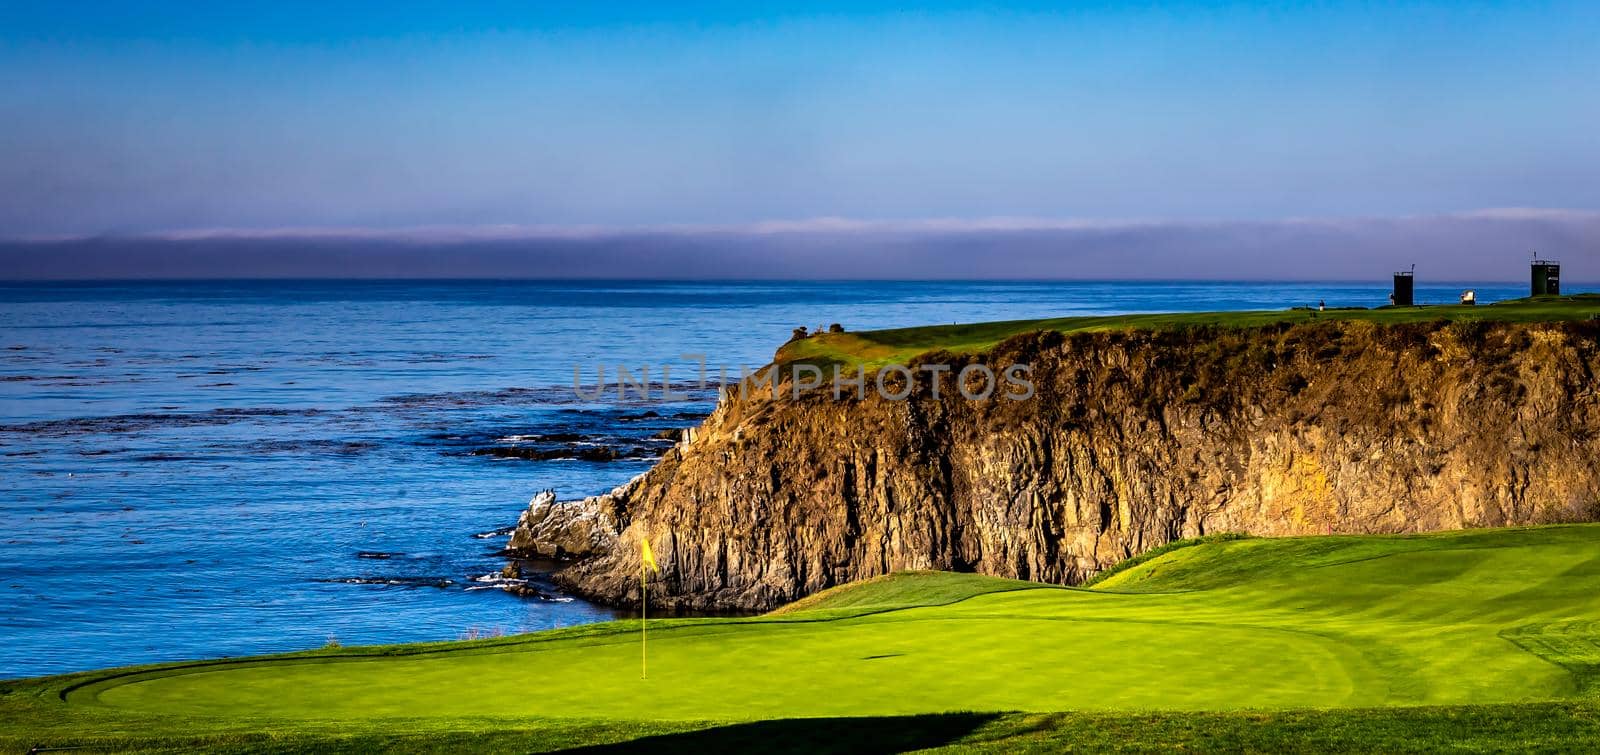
x=1478, y=640
x=1129, y=564
x=876, y=348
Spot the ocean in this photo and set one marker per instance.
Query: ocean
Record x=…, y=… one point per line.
x=207, y=469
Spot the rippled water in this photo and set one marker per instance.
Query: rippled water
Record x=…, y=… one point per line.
x=207, y=469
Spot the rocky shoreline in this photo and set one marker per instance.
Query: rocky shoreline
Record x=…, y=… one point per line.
x=1135, y=439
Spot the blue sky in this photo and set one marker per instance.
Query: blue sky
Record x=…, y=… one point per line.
x=138, y=118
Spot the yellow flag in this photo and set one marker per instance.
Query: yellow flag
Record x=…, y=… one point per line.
x=647, y=560
x=648, y=557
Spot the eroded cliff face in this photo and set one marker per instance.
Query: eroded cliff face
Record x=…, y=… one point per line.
x=1133, y=439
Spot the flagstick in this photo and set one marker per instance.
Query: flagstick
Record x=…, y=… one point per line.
x=644, y=610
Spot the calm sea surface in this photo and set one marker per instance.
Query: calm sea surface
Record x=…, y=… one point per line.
x=206, y=469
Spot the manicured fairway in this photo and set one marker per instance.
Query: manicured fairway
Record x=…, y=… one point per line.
x=1470, y=618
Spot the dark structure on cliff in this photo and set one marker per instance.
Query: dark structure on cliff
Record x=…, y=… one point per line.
x=1403, y=288
x=1546, y=277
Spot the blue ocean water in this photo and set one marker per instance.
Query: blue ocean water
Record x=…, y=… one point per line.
x=204, y=469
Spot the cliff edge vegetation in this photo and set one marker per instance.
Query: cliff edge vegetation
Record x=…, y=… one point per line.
x=878, y=348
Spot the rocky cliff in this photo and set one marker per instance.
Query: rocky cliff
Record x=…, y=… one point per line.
x=1133, y=439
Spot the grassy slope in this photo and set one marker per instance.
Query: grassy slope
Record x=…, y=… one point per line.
x=1306, y=642
x=877, y=348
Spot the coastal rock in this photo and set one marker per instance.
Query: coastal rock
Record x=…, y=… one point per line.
x=569, y=529
x=524, y=590
x=1133, y=439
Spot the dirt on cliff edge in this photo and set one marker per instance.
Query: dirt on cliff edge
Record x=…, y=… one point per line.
x=1132, y=439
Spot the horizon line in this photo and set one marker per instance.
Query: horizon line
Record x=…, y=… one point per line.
x=488, y=232
x=757, y=280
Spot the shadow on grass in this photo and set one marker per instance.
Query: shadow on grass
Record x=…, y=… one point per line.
x=811, y=735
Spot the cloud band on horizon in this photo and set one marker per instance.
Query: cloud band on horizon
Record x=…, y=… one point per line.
x=1485, y=245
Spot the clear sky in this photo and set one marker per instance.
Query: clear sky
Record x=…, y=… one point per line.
x=129, y=118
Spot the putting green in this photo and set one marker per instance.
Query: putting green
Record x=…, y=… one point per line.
x=912, y=663
x=1471, y=617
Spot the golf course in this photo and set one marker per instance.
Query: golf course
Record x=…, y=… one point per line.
x=1480, y=639
x=877, y=348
